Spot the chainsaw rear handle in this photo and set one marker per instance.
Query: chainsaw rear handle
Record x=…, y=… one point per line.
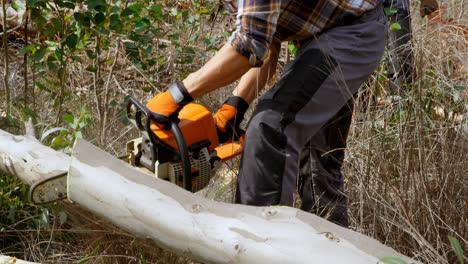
x=179, y=137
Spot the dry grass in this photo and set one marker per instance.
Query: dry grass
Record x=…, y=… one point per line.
x=406, y=164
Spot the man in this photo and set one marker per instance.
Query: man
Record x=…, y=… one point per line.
x=340, y=45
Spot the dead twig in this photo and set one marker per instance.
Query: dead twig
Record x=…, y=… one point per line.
x=12, y=29
x=5, y=50
x=106, y=96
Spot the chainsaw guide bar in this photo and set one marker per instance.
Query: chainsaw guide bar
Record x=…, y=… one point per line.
x=49, y=190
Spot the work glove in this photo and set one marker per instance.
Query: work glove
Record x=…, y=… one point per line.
x=166, y=105
x=229, y=118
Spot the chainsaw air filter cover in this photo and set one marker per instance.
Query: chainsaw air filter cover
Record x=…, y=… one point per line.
x=196, y=124
x=200, y=166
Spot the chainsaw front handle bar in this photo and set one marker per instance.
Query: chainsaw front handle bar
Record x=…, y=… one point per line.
x=139, y=109
x=183, y=151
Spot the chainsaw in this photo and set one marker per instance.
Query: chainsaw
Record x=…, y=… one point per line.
x=186, y=152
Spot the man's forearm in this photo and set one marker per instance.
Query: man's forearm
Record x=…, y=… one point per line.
x=224, y=68
x=255, y=79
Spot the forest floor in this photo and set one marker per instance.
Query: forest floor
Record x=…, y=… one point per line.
x=405, y=167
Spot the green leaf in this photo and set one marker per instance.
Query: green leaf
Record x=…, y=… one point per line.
x=115, y=10
x=91, y=54
x=58, y=53
x=99, y=19
x=392, y=260
x=390, y=11
x=58, y=142
x=56, y=23
x=115, y=22
x=91, y=69
x=131, y=49
x=17, y=5
x=395, y=27
x=82, y=19
x=149, y=51
x=31, y=3
x=292, y=48
x=42, y=87
x=457, y=248
x=136, y=7
x=430, y=74
x=69, y=5
x=69, y=118
x=190, y=50
x=27, y=49
x=11, y=213
x=112, y=104
x=130, y=45
x=51, y=43
x=77, y=58
x=39, y=54
x=71, y=41
x=156, y=11
x=62, y=217
x=98, y=5
x=36, y=16
x=192, y=38
x=88, y=257
x=127, y=12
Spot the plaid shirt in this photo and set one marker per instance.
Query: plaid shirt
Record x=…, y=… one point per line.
x=258, y=22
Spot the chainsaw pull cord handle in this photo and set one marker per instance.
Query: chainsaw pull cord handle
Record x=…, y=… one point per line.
x=179, y=137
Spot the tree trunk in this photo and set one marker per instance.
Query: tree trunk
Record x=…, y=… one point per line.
x=204, y=230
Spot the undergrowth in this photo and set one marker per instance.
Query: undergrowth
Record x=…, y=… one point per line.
x=406, y=157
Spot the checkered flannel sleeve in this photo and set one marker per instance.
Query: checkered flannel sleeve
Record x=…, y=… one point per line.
x=255, y=26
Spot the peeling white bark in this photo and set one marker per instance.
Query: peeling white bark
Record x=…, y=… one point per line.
x=29, y=160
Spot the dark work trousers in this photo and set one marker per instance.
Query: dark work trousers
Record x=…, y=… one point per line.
x=312, y=89
x=320, y=182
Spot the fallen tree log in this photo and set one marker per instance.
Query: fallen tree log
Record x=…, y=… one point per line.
x=12, y=260
x=204, y=230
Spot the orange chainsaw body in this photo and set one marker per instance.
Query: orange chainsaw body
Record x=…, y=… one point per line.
x=194, y=131
x=197, y=124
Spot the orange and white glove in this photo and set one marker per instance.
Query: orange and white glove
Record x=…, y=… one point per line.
x=229, y=118
x=166, y=104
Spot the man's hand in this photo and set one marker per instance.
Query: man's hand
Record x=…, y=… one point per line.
x=166, y=104
x=229, y=118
